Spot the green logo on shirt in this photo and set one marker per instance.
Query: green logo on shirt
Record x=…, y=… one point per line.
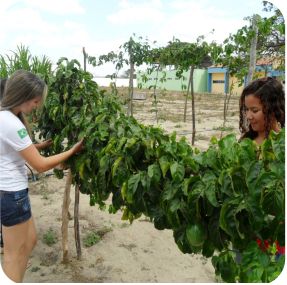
x=22, y=133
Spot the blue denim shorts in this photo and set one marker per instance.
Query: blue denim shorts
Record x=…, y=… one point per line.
x=15, y=207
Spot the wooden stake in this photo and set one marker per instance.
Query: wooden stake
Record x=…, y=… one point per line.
x=65, y=216
x=76, y=222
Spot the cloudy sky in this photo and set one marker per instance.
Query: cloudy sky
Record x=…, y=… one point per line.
x=59, y=28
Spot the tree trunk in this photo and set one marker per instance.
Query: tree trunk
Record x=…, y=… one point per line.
x=192, y=105
x=252, y=60
x=76, y=223
x=226, y=107
x=65, y=216
x=131, y=89
x=85, y=59
x=154, y=95
x=185, y=103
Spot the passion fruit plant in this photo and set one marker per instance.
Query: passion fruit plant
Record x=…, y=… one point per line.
x=217, y=202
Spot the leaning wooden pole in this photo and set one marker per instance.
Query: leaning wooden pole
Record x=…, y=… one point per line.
x=253, y=46
x=76, y=223
x=65, y=216
x=192, y=105
x=85, y=59
x=186, y=97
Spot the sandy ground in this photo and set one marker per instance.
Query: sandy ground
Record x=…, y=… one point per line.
x=208, y=116
x=124, y=253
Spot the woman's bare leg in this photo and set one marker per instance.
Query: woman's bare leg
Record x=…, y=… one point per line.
x=19, y=240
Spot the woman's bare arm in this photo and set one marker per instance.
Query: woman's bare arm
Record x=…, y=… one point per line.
x=41, y=163
x=43, y=145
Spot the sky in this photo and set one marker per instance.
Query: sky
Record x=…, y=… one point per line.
x=61, y=28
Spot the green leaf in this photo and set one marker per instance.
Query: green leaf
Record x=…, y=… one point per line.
x=124, y=190
x=210, y=193
x=273, y=200
x=132, y=187
x=174, y=205
x=116, y=165
x=227, y=142
x=187, y=182
x=154, y=172
x=252, y=175
x=227, y=220
x=225, y=180
x=177, y=171
x=209, y=179
x=225, y=266
x=164, y=165
x=169, y=190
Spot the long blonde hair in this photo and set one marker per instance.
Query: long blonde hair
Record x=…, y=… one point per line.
x=21, y=87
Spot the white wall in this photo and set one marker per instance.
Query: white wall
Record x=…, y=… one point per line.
x=120, y=82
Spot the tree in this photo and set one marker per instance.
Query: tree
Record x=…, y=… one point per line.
x=137, y=53
x=187, y=56
x=211, y=200
x=132, y=53
x=271, y=38
x=241, y=50
x=270, y=43
x=126, y=74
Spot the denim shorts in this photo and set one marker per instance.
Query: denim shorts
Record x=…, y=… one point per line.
x=15, y=207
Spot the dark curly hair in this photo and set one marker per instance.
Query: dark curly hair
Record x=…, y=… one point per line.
x=272, y=96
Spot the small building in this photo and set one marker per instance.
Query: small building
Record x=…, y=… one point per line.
x=270, y=67
x=219, y=80
x=168, y=80
x=214, y=79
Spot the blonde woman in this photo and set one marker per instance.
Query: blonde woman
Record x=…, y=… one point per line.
x=23, y=93
x=39, y=146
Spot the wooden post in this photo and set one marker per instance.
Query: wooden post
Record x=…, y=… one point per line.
x=131, y=87
x=192, y=106
x=76, y=222
x=154, y=94
x=186, y=97
x=252, y=60
x=65, y=216
x=85, y=59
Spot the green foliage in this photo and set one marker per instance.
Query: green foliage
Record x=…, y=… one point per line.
x=35, y=268
x=22, y=59
x=224, y=129
x=227, y=189
x=271, y=43
x=91, y=239
x=253, y=265
x=133, y=51
x=50, y=237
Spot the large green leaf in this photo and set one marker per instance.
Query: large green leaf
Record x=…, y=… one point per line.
x=154, y=172
x=132, y=187
x=164, y=165
x=177, y=171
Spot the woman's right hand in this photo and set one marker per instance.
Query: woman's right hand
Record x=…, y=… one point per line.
x=78, y=146
x=45, y=144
